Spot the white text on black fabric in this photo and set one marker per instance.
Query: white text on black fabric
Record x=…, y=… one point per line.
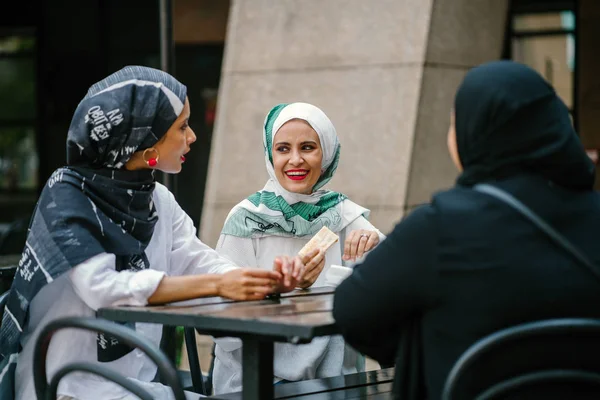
x=102, y=122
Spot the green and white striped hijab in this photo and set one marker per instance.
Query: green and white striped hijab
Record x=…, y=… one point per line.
x=274, y=211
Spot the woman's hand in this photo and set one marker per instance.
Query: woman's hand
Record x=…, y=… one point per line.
x=248, y=283
x=292, y=270
x=313, y=269
x=358, y=243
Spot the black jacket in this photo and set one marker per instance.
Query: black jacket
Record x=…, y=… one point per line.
x=468, y=265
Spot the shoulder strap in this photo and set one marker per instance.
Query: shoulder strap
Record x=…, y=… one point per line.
x=556, y=237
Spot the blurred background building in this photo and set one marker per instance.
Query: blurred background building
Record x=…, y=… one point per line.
x=385, y=71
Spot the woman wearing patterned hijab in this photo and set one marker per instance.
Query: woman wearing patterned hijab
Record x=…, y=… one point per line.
x=301, y=154
x=105, y=233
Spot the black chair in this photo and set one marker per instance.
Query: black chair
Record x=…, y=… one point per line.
x=551, y=359
x=558, y=384
x=95, y=369
x=124, y=334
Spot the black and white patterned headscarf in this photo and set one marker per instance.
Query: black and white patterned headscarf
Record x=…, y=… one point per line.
x=94, y=205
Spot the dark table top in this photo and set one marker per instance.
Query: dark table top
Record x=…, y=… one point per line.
x=296, y=317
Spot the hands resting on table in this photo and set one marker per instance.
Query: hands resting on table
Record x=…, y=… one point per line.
x=241, y=283
x=254, y=283
x=291, y=272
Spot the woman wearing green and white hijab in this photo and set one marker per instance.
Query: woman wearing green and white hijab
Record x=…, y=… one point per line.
x=302, y=151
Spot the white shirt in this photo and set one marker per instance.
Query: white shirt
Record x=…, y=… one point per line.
x=173, y=250
x=321, y=358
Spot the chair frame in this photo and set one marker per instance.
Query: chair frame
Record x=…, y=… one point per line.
x=126, y=335
x=500, y=390
x=99, y=370
x=505, y=337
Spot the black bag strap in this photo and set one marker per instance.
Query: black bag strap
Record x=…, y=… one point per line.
x=559, y=239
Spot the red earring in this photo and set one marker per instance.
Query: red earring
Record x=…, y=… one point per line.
x=152, y=161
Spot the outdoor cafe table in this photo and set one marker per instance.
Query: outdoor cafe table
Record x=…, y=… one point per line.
x=295, y=317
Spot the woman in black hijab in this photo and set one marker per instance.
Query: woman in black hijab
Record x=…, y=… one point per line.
x=468, y=264
x=510, y=122
x=104, y=233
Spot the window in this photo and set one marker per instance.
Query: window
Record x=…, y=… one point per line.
x=18, y=154
x=542, y=35
x=548, y=56
x=546, y=42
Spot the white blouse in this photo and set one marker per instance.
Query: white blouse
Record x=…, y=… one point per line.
x=173, y=250
x=324, y=356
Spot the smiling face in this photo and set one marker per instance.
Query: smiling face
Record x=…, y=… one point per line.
x=297, y=156
x=176, y=143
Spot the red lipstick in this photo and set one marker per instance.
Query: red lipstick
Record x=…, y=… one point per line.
x=296, y=174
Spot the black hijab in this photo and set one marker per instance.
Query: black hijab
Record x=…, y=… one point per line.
x=94, y=205
x=510, y=121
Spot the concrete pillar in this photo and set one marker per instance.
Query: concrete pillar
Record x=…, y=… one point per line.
x=462, y=34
